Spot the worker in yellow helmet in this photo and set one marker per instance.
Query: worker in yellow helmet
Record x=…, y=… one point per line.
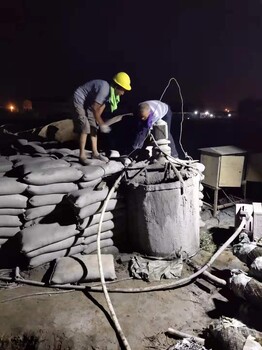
x=90, y=101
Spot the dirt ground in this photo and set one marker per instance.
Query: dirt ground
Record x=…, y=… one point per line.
x=41, y=318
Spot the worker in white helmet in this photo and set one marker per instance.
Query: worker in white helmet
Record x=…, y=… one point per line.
x=90, y=101
x=149, y=112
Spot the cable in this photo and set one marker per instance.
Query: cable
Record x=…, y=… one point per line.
x=182, y=112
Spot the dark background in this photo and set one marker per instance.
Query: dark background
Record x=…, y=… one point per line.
x=212, y=48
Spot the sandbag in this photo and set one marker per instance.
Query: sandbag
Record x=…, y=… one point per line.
x=95, y=208
x=92, y=230
x=52, y=176
x=21, y=161
x=255, y=269
x=36, y=212
x=65, y=244
x=9, y=231
x=82, y=268
x=230, y=334
x=103, y=235
x=32, y=147
x=112, y=167
x=86, y=196
x=11, y=211
x=13, y=201
x=246, y=287
x=34, y=221
x=41, y=235
x=5, y=164
x=94, y=219
x=47, y=199
x=10, y=220
x=90, y=248
x=10, y=185
x=59, y=188
x=48, y=164
x=48, y=257
x=3, y=240
x=92, y=172
x=89, y=184
x=108, y=250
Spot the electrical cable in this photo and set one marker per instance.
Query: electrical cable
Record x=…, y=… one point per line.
x=182, y=113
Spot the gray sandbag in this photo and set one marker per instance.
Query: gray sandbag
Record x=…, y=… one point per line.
x=15, y=158
x=3, y=240
x=5, y=164
x=91, y=247
x=92, y=172
x=41, y=235
x=9, y=231
x=10, y=220
x=89, y=184
x=41, y=165
x=36, y=212
x=59, y=188
x=13, y=201
x=94, y=219
x=12, y=211
x=231, y=334
x=11, y=185
x=52, y=176
x=92, y=230
x=21, y=161
x=255, y=269
x=35, y=221
x=34, y=147
x=246, y=288
x=82, y=198
x=48, y=257
x=103, y=235
x=82, y=268
x=46, y=199
x=95, y=208
x=108, y=250
x=65, y=244
x=112, y=167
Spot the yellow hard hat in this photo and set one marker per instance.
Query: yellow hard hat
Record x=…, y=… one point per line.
x=122, y=79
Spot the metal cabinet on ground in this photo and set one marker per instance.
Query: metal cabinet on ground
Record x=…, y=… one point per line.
x=224, y=167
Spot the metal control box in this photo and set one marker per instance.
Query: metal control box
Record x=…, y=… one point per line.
x=224, y=166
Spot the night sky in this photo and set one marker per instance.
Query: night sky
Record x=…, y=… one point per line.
x=212, y=47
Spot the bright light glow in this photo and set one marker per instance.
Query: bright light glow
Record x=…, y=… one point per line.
x=196, y=112
x=206, y=113
x=11, y=107
x=229, y=115
x=211, y=115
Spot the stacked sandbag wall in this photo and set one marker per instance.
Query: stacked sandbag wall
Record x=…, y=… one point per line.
x=13, y=204
x=52, y=225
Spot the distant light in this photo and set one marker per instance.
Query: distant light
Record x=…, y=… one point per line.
x=196, y=112
x=206, y=113
x=12, y=108
x=226, y=110
x=229, y=115
x=211, y=115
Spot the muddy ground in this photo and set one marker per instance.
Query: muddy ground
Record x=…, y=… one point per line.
x=41, y=318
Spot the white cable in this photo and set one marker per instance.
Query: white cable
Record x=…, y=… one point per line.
x=182, y=113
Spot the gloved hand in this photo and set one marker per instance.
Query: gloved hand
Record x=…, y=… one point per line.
x=105, y=128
